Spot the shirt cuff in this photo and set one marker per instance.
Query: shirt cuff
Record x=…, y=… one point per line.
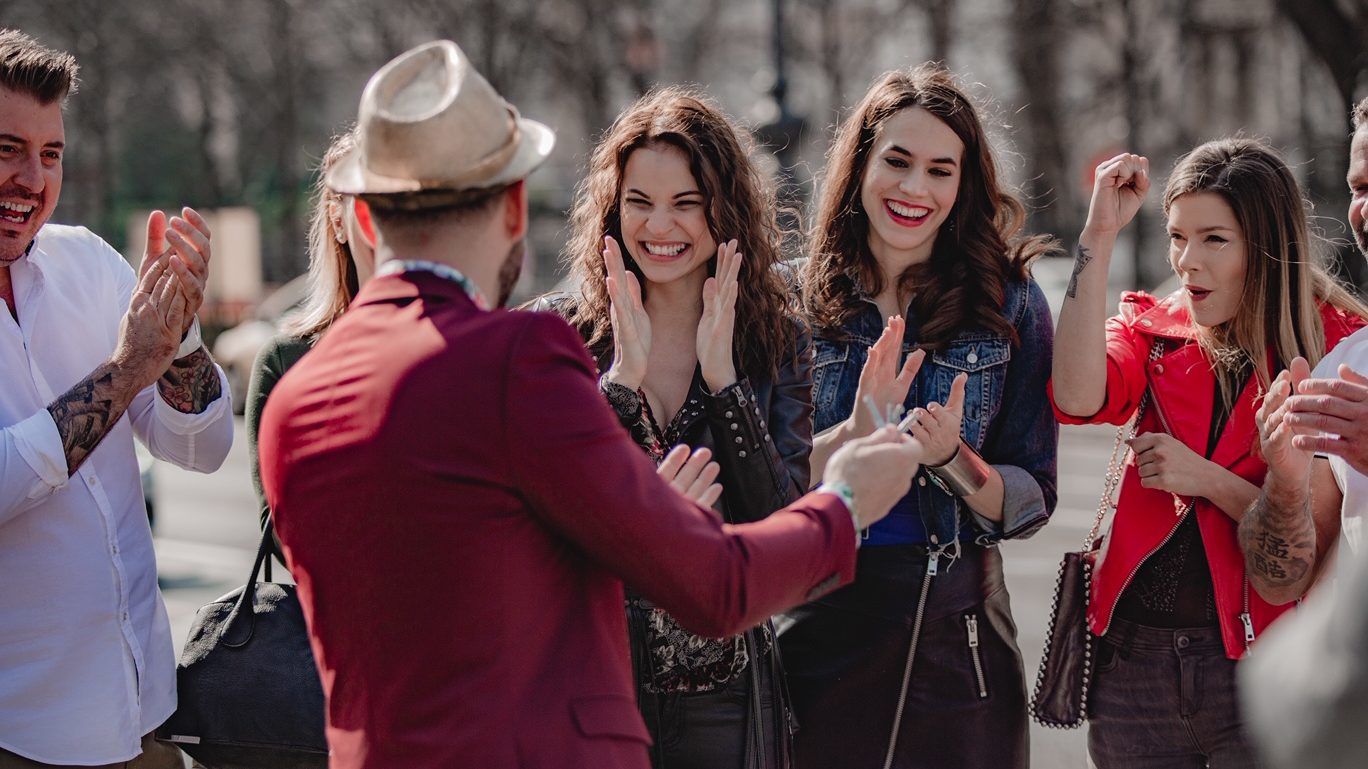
x=40, y=444
x=182, y=423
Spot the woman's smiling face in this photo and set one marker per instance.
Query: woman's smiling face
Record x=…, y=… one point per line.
x=910, y=184
x=664, y=217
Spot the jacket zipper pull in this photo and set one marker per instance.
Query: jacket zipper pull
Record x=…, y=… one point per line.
x=933, y=563
x=971, y=622
x=1248, y=623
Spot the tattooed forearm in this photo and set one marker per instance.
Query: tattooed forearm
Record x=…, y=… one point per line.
x=1278, y=537
x=191, y=383
x=85, y=413
x=1081, y=260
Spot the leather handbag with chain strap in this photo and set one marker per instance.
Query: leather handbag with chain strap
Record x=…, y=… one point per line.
x=1060, y=699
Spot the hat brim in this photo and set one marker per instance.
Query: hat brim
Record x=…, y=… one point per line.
x=350, y=177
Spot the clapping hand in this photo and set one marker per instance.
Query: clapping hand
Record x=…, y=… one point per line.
x=881, y=381
x=1287, y=462
x=937, y=427
x=1331, y=416
x=1119, y=187
x=182, y=246
x=715, y=328
x=631, y=325
x=151, y=329
x=691, y=473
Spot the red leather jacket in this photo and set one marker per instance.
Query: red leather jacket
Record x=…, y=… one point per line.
x=1182, y=387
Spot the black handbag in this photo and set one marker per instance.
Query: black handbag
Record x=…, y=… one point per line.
x=1060, y=699
x=248, y=691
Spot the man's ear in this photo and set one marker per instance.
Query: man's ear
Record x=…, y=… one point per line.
x=515, y=210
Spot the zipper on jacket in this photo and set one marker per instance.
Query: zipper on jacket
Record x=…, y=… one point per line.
x=1141, y=562
x=971, y=624
x=1245, y=618
x=932, y=567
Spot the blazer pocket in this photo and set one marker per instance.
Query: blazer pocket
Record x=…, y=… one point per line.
x=609, y=715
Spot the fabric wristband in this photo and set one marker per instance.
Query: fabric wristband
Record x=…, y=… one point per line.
x=192, y=340
x=843, y=492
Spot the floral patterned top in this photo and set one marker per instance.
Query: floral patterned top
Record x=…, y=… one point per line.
x=680, y=662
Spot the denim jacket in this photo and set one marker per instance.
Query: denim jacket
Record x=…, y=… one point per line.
x=1007, y=413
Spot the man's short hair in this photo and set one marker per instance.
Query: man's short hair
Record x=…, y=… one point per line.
x=28, y=67
x=433, y=206
x=1361, y=113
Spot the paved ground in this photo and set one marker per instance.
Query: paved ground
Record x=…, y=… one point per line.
x=207, y=537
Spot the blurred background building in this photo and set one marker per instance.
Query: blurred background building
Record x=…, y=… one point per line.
x=229, y=104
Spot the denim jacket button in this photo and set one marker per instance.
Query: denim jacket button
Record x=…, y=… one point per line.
x=728, y=415
x=972, y=357
x=921, y=481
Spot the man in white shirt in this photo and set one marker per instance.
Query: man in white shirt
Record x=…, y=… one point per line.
x=1305, y=686
x=87, y=670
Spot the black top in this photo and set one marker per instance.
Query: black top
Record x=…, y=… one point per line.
x=1173, y=587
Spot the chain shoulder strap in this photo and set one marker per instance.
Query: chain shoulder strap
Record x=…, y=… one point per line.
x=1119, y=454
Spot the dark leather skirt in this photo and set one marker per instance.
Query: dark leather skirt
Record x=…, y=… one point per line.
x=845, y=656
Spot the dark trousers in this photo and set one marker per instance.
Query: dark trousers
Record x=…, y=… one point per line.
x=710, y=730
x=845, y=655
x=1164, y=699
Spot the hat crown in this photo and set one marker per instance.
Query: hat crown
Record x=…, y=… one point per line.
x=415, y=107
x=430, y=122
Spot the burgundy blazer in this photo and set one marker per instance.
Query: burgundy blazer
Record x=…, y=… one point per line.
x=460, y=508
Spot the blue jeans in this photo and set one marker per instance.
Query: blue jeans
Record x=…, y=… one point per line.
x=1164, y=699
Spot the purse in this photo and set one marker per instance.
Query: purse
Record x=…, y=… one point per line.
x=249, y=695
x=1060, y=699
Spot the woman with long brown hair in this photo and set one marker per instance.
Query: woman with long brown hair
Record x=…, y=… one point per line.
x=916, y=663
x=1171, y=603
x=675, y=246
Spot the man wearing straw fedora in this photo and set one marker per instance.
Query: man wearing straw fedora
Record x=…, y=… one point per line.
x=459, y=554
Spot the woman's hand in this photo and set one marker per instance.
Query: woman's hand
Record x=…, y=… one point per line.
x=1119, y=188
x=1167, y=463
x=881, y=381
x=937, y=427
x=691, y=473
x=715, y=328
x=631, y=324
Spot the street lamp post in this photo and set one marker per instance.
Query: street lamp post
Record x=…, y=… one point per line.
x=782, y=132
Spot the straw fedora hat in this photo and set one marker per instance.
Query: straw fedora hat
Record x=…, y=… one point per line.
x=429, y=122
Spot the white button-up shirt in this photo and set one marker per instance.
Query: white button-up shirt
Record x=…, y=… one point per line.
x=86, y=662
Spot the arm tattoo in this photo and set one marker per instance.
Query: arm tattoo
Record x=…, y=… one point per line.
x=86, y=413
x=1279, y=542
x=191, y=384
x=1080, y=261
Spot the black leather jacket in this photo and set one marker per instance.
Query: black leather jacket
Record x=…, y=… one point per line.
x=759, y=429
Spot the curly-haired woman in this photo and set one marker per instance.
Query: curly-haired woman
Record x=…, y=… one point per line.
x=675, y=246
x=916, y=663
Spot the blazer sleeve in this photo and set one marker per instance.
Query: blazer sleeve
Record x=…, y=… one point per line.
x=591, y=484
x=1127, y=352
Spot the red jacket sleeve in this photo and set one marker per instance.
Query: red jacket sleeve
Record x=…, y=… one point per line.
x=583, y=477
x=1127, y=353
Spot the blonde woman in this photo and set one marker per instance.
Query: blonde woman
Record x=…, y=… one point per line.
x=340, y=260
